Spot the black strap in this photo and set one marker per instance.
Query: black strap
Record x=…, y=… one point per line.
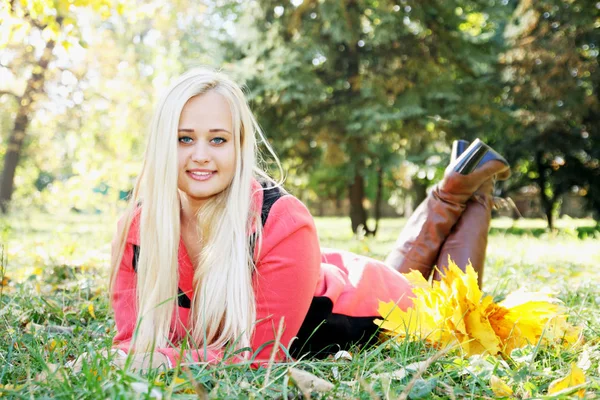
x=182, y=299
x=271, y=194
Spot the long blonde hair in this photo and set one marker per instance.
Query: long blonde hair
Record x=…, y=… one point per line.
x=223, y=308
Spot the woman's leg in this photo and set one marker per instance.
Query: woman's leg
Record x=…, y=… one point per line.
x=468, y=239
x=421, y=240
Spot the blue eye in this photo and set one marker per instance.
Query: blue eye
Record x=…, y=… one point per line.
x=218, y=140
x=185, y=140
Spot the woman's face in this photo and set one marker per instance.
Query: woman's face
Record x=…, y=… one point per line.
x=206, y=150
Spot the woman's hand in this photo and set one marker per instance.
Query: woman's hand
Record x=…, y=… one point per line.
x=141, y=361
x=118, y=358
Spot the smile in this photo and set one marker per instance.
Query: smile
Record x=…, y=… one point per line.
x=200, y=176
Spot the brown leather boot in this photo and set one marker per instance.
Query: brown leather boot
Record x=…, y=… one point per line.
x=468, y=239
x=420, y=241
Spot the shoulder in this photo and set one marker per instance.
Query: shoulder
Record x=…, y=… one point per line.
x=289, y=245
x=277, y=206
x=288, y=209
x=133, y=233
x=289, y=228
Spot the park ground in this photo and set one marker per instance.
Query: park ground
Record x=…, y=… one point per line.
x=53, y=306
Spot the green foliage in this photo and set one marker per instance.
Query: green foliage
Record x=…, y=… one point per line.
x=373, y=80
x=342, y=89
x=551, y=73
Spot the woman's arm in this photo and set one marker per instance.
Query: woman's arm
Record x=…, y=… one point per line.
x=287, y=273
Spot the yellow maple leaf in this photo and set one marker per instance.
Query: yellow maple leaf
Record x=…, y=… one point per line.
x=483, y=337
x=454, y=311
x=560, y=331
x=499, y=387
x=574, y=377
x=416, y=279
x=56, y=343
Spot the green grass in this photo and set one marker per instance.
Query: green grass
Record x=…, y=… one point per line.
x=55, y=276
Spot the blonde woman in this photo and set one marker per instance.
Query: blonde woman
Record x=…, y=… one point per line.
x=213, y=260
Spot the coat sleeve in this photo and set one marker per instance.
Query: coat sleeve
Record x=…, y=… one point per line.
x=123, y=296
x=287, y=272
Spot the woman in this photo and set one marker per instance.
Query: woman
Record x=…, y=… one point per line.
x=214, y=261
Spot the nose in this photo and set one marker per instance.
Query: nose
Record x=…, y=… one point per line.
x=201, y=153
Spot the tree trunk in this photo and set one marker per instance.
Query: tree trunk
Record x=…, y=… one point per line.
x=419, y=194
x=356, y=191
x=34, y=86
x=351, y=71
x=549, y=216
x=545, y=200
x=378, y=199
x=338, y=207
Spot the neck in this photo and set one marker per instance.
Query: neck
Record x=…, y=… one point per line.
x=189, y=208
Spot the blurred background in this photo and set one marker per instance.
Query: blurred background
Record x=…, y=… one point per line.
x=361, y=99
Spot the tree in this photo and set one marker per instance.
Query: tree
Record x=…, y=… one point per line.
x=364, y=76
x=551, y=72
x=44, y=27
x=89, y=131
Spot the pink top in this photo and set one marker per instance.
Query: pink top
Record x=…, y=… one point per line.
x=291, y=274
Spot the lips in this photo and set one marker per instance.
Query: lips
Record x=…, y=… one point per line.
x=200, y=175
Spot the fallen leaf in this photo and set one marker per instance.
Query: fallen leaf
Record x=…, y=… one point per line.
x=199, y=389
x=499, y=387
x=91, y=310
x=32, y=327
x=402, y=373
x=51, y=369
x=54, y=343
x=584, y=361
x=308, y=383
x=574, y=377
x=342, y=355
x=144, y=388
x=182, y=386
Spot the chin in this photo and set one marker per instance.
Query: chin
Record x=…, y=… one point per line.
x=203, y=195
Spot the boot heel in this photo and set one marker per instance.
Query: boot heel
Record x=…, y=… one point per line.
x=458, y=147
x=473, y=156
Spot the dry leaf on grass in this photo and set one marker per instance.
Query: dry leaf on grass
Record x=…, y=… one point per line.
x=52, y=369
x=342, y=355
x=308, y=383
x=402, y=373
x=196, y=386
x=585, y=361
x=499, y=387
x=32, y=327
x=144, y=389
x=575, y=377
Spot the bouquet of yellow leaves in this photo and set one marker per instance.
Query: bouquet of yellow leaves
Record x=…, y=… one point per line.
x=454, y=311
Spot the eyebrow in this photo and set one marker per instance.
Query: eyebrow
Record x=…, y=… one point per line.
x=210, y=130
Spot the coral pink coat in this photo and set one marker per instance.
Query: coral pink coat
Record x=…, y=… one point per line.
x=326, y=298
